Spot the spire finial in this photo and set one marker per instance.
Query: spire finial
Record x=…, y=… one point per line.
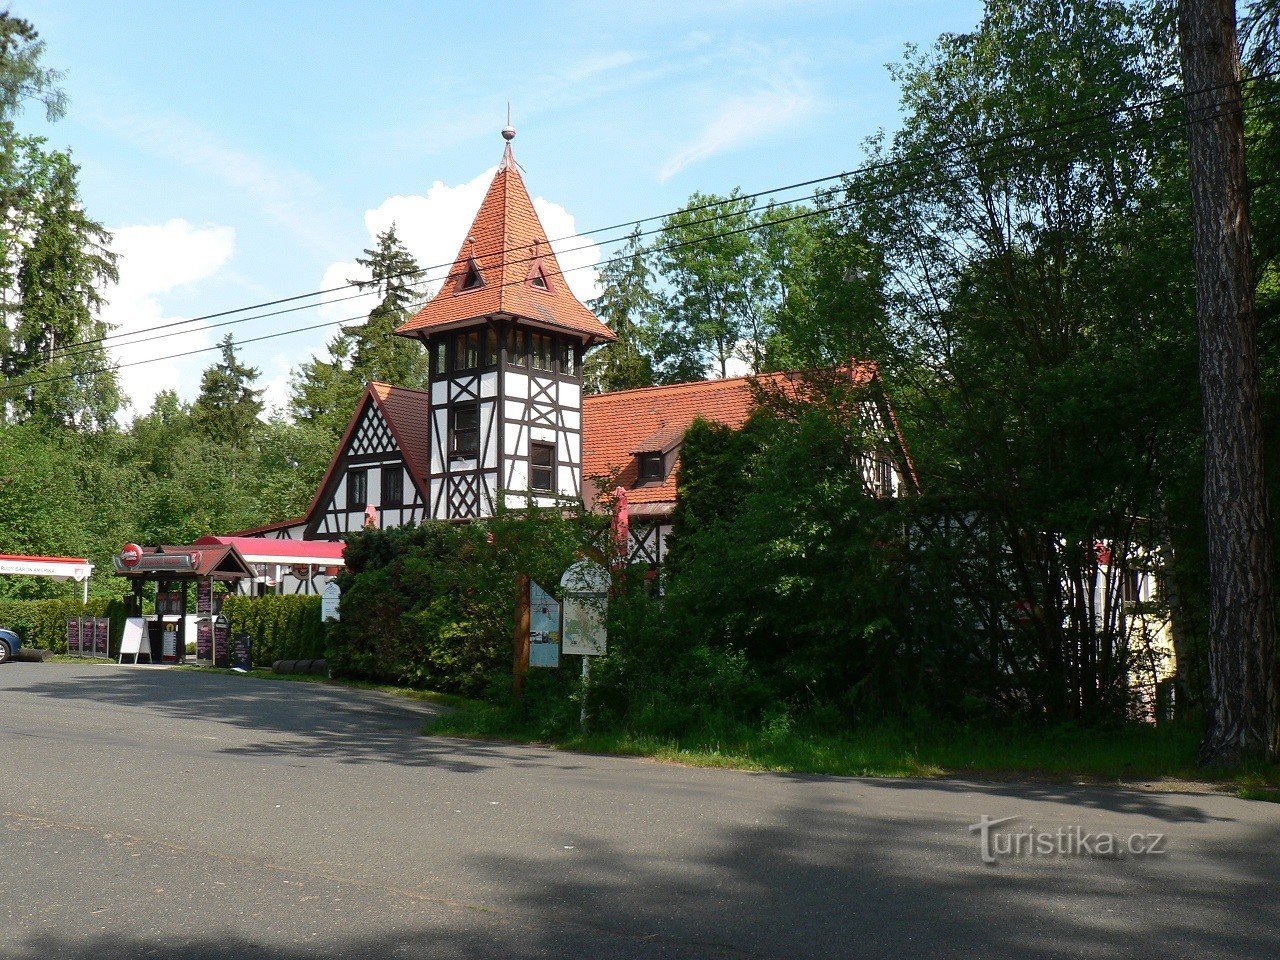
x=508, y=132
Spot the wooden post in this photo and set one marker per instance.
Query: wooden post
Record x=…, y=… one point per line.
x=520, y=648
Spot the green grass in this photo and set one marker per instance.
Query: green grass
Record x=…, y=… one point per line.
x=1062, y=754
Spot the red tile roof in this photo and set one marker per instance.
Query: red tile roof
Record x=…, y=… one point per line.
x=617, y=425
x=507, y=243
x=408, y=414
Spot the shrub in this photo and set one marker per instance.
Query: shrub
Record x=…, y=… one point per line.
x=282, y=627
x=434, y=606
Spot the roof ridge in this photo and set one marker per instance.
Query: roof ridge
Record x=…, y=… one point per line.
x=851, y=366
x=396, y=386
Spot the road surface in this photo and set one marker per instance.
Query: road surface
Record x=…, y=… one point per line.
x=166, y=813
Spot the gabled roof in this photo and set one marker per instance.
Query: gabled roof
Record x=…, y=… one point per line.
x=407, y=412
x=615, y=426
x=508, y=247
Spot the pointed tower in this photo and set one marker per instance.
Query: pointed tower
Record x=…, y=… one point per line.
x=506, y=338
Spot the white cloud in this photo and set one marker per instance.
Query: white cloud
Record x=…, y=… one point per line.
x=742, y=120
x=156, y=259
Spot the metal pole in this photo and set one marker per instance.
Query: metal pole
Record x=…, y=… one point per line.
x=586, y=674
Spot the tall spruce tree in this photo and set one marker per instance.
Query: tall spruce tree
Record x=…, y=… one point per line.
x=628, y=306
x=228, y=405
x=324, y=392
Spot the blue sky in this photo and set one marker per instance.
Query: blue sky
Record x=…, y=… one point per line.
x=245, y=151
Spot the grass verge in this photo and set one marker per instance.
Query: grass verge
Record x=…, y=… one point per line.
x=1062, y=754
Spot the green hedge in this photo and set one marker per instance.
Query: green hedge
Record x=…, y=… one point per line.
x=43, y=623
x=282, y=627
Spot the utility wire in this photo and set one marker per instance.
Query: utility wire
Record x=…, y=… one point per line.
x=801, y=215
x=976, y=143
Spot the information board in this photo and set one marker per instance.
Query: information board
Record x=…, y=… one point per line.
x=102, y=638
x=584, y=628
x=241, y=651
x=204, y=597
x=330, y=597
x=169, y=646
x=586, y=596
x=204, y=639
x=73, y=637
x=221, y=641
x=544, y=628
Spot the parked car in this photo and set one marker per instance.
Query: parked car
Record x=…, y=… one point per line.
x=9, y=644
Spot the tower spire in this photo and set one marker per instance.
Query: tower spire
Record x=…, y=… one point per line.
x=508, y=134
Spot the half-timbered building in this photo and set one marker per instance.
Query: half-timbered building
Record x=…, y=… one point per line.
x=505, y=422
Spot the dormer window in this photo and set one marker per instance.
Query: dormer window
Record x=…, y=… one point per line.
x=471, y=277
x=653, y=467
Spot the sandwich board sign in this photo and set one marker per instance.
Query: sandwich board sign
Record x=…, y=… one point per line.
x=586, y=594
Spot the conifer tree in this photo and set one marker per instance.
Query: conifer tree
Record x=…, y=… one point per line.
x=228, y=406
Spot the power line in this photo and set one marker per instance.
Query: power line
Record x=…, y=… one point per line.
x=977, y=143
x=802, y=215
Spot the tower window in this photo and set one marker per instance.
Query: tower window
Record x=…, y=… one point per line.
x=652, y=467
x=392, y=487
x=515, y=348
x=568, y=359
x=466, y=351
x=464, y=431
x=440, y=366
x=357, y=489
x=540, y=350
x=490, y=347
x=542, y=462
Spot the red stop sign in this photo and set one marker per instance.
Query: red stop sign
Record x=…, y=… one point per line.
x=131, y=554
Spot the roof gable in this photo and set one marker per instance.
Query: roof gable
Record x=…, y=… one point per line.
x=506, y=249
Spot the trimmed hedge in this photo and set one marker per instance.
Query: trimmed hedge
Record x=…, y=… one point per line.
x=282, y=627
x=43, y=623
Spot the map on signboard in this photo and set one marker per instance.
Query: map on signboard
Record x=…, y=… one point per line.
x=586, y=596
x=584, y=630
x=544, y=628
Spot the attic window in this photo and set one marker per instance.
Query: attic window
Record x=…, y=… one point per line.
x=538, y=275
x=472, y=279
x=652, y=467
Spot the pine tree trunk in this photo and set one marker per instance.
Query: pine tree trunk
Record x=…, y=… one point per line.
x=1241, y=721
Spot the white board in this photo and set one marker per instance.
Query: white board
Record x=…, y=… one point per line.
x=330, y=597
x=134, y=641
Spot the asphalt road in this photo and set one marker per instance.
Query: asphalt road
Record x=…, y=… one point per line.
x=154, y=813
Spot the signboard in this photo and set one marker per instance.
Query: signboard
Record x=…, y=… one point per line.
x=169, y=646
x=158, y=562
x=586, y=596
x=221, y=650
x=102, y=638
x=204, y=639
x=544, y=628
x=241, y=649
x=73, y=637
x=135, y=640
x=204, y=597
x=86, y=636
x=130, y=555
x=58, y=569
x=329, y=600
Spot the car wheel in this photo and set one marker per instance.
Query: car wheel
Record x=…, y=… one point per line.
x=4, y=651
